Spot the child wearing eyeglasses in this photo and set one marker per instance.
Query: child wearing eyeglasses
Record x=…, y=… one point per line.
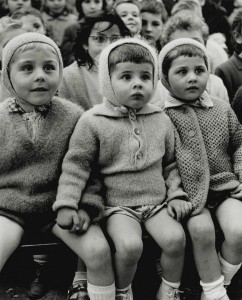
x=80, y=80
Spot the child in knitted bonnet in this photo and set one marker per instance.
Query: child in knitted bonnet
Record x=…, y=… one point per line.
x=36, y=127
x=137, y=165
x=209, y=157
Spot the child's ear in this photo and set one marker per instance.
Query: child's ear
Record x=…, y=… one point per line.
x=85, y=46
x=237, y=38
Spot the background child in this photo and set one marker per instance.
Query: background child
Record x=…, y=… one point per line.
x=185, y=25
x=31, y=19
x=80, y=81
x=129, y=11
x=154, y=15
x=31, y=121
x=208, y=151
x=230, y=71
x=136, y=162
x=9, y=28
x=84, y=9
x=57, y=17
x=11, y=5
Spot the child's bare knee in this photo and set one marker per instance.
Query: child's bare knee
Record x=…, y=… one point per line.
x=203, y=234
x=130, y=248
x=175, y=243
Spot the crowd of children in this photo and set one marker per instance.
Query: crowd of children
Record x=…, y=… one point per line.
x=113, y=120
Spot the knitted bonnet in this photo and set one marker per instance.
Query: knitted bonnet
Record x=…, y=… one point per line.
x=17, y=42
x=171, y=46
x=104, y=75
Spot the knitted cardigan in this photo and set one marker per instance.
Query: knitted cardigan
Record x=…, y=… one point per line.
x=208, y=149
x=132, y=150
x=29, y=171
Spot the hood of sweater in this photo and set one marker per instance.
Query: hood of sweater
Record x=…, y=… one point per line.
x=171, y=46
x=104, y=74
x=19, y=41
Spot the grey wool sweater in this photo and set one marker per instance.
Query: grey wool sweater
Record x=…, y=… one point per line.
x=30, y=169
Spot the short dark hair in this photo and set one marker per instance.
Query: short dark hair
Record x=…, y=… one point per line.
x=78, y=4
x=129, y=53
x=155, y=7
x=236, y=30
x=181, y=50
x=86, y=25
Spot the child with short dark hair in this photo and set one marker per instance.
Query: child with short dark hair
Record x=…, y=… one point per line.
x=137, y=165
x=34, y=136
x=154, y=15
x=208, y=151
x=230, y=71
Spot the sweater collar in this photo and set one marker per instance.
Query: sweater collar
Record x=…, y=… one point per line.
x=203, y=101
x=109, y=109
x=14, y=107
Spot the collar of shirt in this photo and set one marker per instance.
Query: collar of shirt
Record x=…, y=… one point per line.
x=14, y=107
x=203, y=101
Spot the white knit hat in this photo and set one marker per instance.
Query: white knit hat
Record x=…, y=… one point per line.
x=17, y=42
x=171, y=46
x=104, y=75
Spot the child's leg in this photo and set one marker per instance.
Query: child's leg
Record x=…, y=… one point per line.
x=11, y=234
x=170, y=236
x=202, y=232
x=126, y=235
x=94, y=250
x=229, y=215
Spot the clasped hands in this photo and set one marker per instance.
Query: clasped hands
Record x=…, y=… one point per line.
x=179, y=209
x=72, y=220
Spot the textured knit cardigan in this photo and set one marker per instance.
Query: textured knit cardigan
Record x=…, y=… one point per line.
x=208, y=142
x=29, y=171
x=133, y=151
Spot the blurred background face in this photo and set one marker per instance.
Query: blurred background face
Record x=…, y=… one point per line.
x=130, y=14
x=56, y=6
x=14, y=4
x=90, y=7
x=101, y=36
x=32, y=23
x=151, y=27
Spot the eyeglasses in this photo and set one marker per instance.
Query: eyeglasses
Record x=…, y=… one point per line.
x=102, y=39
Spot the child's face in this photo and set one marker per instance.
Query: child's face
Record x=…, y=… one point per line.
x=133, y=83
x=101, y=36
x=90, y=7
x=56, y=6
x=188, y=77
x=14, y=4
x=130, y=14
x=151, y=27
x=32, y=23
x=35, y=77
x=192, y=34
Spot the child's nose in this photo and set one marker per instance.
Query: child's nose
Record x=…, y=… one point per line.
x=192, y=76
x=40, y=75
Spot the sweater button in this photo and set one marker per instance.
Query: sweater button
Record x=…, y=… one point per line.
x=197, y=157
x=136, y=131
x=191, y=133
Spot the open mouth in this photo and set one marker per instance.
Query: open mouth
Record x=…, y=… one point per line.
x=137, y=96
x=193, y=88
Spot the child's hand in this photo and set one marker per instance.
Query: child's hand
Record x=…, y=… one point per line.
x=67, y=218
x=237, y=193
x=179, y=209
x=84, y=221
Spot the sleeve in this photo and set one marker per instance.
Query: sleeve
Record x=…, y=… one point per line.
x=170, y=170
x=237, y=104
x=78, y=163
x=235, y=143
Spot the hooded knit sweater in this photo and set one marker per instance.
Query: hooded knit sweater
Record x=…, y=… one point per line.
x=132, y=150
x=208, y=142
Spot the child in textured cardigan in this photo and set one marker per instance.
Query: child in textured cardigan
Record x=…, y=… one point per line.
x=35, y=130
x=137, y=165
x=209, y=156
